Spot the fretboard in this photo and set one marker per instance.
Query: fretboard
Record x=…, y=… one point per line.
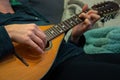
x=62, y=27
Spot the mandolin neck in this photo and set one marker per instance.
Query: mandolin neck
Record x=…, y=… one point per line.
x=62, y=27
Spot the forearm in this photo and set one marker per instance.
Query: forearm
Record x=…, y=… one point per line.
x=6, y=45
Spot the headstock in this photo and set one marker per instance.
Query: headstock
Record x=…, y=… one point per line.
x=106, y=10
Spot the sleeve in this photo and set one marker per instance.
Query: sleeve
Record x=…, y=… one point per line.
x=6, y=46
x=81, y=42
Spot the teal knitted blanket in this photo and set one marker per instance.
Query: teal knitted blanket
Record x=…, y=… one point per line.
x=103, y=40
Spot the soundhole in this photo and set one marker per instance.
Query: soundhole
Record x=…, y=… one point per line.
x=48, y=46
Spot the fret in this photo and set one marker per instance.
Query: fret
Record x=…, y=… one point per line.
x=79, y=19
x=55, y=29
x=52, y=33
x=62, y=26
x=66, y=25
x=61, y=30
x=47, y=34
x=71, y=25
x=76, y=19
x=58, y=28
x=71, y=22
x=73, y=19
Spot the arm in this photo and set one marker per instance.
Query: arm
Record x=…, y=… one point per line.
x=28, y=34
x=90, y=18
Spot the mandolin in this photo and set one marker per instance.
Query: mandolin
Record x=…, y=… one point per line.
x=39, y=64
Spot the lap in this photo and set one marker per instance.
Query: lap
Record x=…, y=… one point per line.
x=85, y=67
x=73, y=64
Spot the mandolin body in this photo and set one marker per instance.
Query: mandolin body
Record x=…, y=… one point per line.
x=39, y=64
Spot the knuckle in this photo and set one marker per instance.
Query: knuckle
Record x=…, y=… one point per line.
x=29, y=33
x=82, y=14
x=33, y=27
x=87, y=22
x=40, y=42
x=26, y=40
x=44, y=37
x=33, y=24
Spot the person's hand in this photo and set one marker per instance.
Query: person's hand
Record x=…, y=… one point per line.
x=90, y=18
x=28, y=34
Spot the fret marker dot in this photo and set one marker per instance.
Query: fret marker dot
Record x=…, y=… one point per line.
x=61, y=31
x=63, y=26
x=52, y=32
x=71, y=22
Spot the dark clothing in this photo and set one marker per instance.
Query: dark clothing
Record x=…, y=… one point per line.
x=51, y=9
x=85, y=67
x=6, y=46
x=23, y=14
x=71, y=62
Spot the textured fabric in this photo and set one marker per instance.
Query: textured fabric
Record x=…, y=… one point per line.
x=103, y=40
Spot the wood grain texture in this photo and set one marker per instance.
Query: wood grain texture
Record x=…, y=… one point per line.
x=39, y=64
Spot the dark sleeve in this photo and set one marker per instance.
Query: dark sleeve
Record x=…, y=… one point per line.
x=6, y=46
x=81, y=41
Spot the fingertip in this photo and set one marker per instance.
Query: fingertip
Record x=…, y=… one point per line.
x=85, y=7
